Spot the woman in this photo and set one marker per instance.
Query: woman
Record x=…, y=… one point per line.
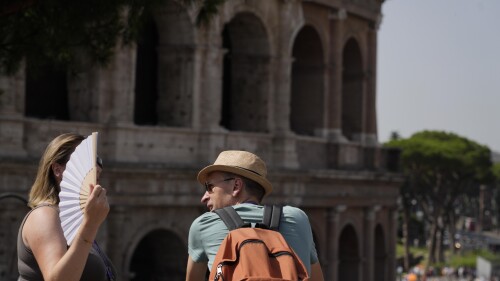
x=41, y=246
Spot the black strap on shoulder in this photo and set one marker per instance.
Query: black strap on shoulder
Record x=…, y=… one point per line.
x=272, y=216
x=230, y=217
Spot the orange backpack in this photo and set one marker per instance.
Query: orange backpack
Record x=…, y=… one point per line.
x=255, y=253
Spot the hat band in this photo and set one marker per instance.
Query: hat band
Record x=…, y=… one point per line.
x=248, y=170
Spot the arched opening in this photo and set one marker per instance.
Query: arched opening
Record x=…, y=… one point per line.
x=380, y=255
x=307, y=98
x=245, y=86
x=161, y=255
x=146, y=75
x=46, y=92
x=349, y=260
x=352, y=91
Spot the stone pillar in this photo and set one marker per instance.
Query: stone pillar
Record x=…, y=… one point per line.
x=210, y=95
x=282, y=78
x=333, y=129
x=12, y=92
x=116, y=222
x=369, y=243
x=208, y=105
x=198, y=90
x=285, y=154
x=284, y=151
x=391, y=244
x=370, y=109
x=330, y=270
x=116, y=88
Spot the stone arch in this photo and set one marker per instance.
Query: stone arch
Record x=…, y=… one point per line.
x=246, y=64
x=349, y=259
x=46, y=92
x=260, y=15
x=173, y=46
x=318, y=24
x=380, y=256
x=307, y=86
x=352, y=90
x=160, y=255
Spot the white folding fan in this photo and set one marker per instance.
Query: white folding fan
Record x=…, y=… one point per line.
x=80, y=172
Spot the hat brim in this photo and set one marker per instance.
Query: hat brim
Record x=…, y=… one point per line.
x=202, y=175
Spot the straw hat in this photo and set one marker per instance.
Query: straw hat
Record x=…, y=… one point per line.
x=241, y=163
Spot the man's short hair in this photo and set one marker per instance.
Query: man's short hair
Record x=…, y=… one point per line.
x=252, y=187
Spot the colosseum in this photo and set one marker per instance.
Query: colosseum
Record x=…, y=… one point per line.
x=293, y=81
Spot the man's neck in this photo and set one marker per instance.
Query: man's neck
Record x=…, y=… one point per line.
x=249, y=200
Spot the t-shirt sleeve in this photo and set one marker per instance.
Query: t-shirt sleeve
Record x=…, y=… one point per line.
x=195, y=245
x=306, y=225
x=314, y=253
x=302, y=238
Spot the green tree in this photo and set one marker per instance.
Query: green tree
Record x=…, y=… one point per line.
x=496, y=172
x=441, y=168
x=57, y=31
x=496, y=178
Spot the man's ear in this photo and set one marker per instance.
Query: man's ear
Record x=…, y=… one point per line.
x=237, y=187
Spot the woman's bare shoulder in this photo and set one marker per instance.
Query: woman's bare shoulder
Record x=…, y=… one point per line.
x=43, y=223
x=45, y=211
x=42, y=218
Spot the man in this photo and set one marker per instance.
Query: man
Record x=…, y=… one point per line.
x=238, y=179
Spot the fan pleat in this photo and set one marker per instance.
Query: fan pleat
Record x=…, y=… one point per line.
x=73, y=196
x=76, y=166
x=70, y=186
x=73, y=228
x=68, y=196
x=69, y=214
x=89, y=158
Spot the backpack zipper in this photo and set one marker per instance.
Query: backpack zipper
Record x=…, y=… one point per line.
x=219, y=272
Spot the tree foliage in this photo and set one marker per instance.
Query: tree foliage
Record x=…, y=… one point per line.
x=57, y=31
x=496, y=172
x=442, y=169
x=442, y=166
x=496, y=177
x=447, y=156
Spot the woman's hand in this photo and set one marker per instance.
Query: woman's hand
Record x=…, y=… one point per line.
x=97, y=207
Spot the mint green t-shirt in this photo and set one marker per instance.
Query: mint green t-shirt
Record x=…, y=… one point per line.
x=208, y=231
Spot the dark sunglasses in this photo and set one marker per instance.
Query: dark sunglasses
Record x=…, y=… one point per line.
x=98, y=161
x=210, y=186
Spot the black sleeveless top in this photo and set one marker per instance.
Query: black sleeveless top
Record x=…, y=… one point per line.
x=97, y=268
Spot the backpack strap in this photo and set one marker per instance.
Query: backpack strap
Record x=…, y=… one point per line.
x=272, y=216
x=270, y=220
x=230, y=217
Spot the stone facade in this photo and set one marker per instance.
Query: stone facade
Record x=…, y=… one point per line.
x=292, y=81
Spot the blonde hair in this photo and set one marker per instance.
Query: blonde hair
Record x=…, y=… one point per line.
x=46, y=188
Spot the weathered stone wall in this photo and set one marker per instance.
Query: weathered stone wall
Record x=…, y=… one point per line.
x=222, y=89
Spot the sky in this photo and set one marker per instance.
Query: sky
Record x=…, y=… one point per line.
x=438, y=68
